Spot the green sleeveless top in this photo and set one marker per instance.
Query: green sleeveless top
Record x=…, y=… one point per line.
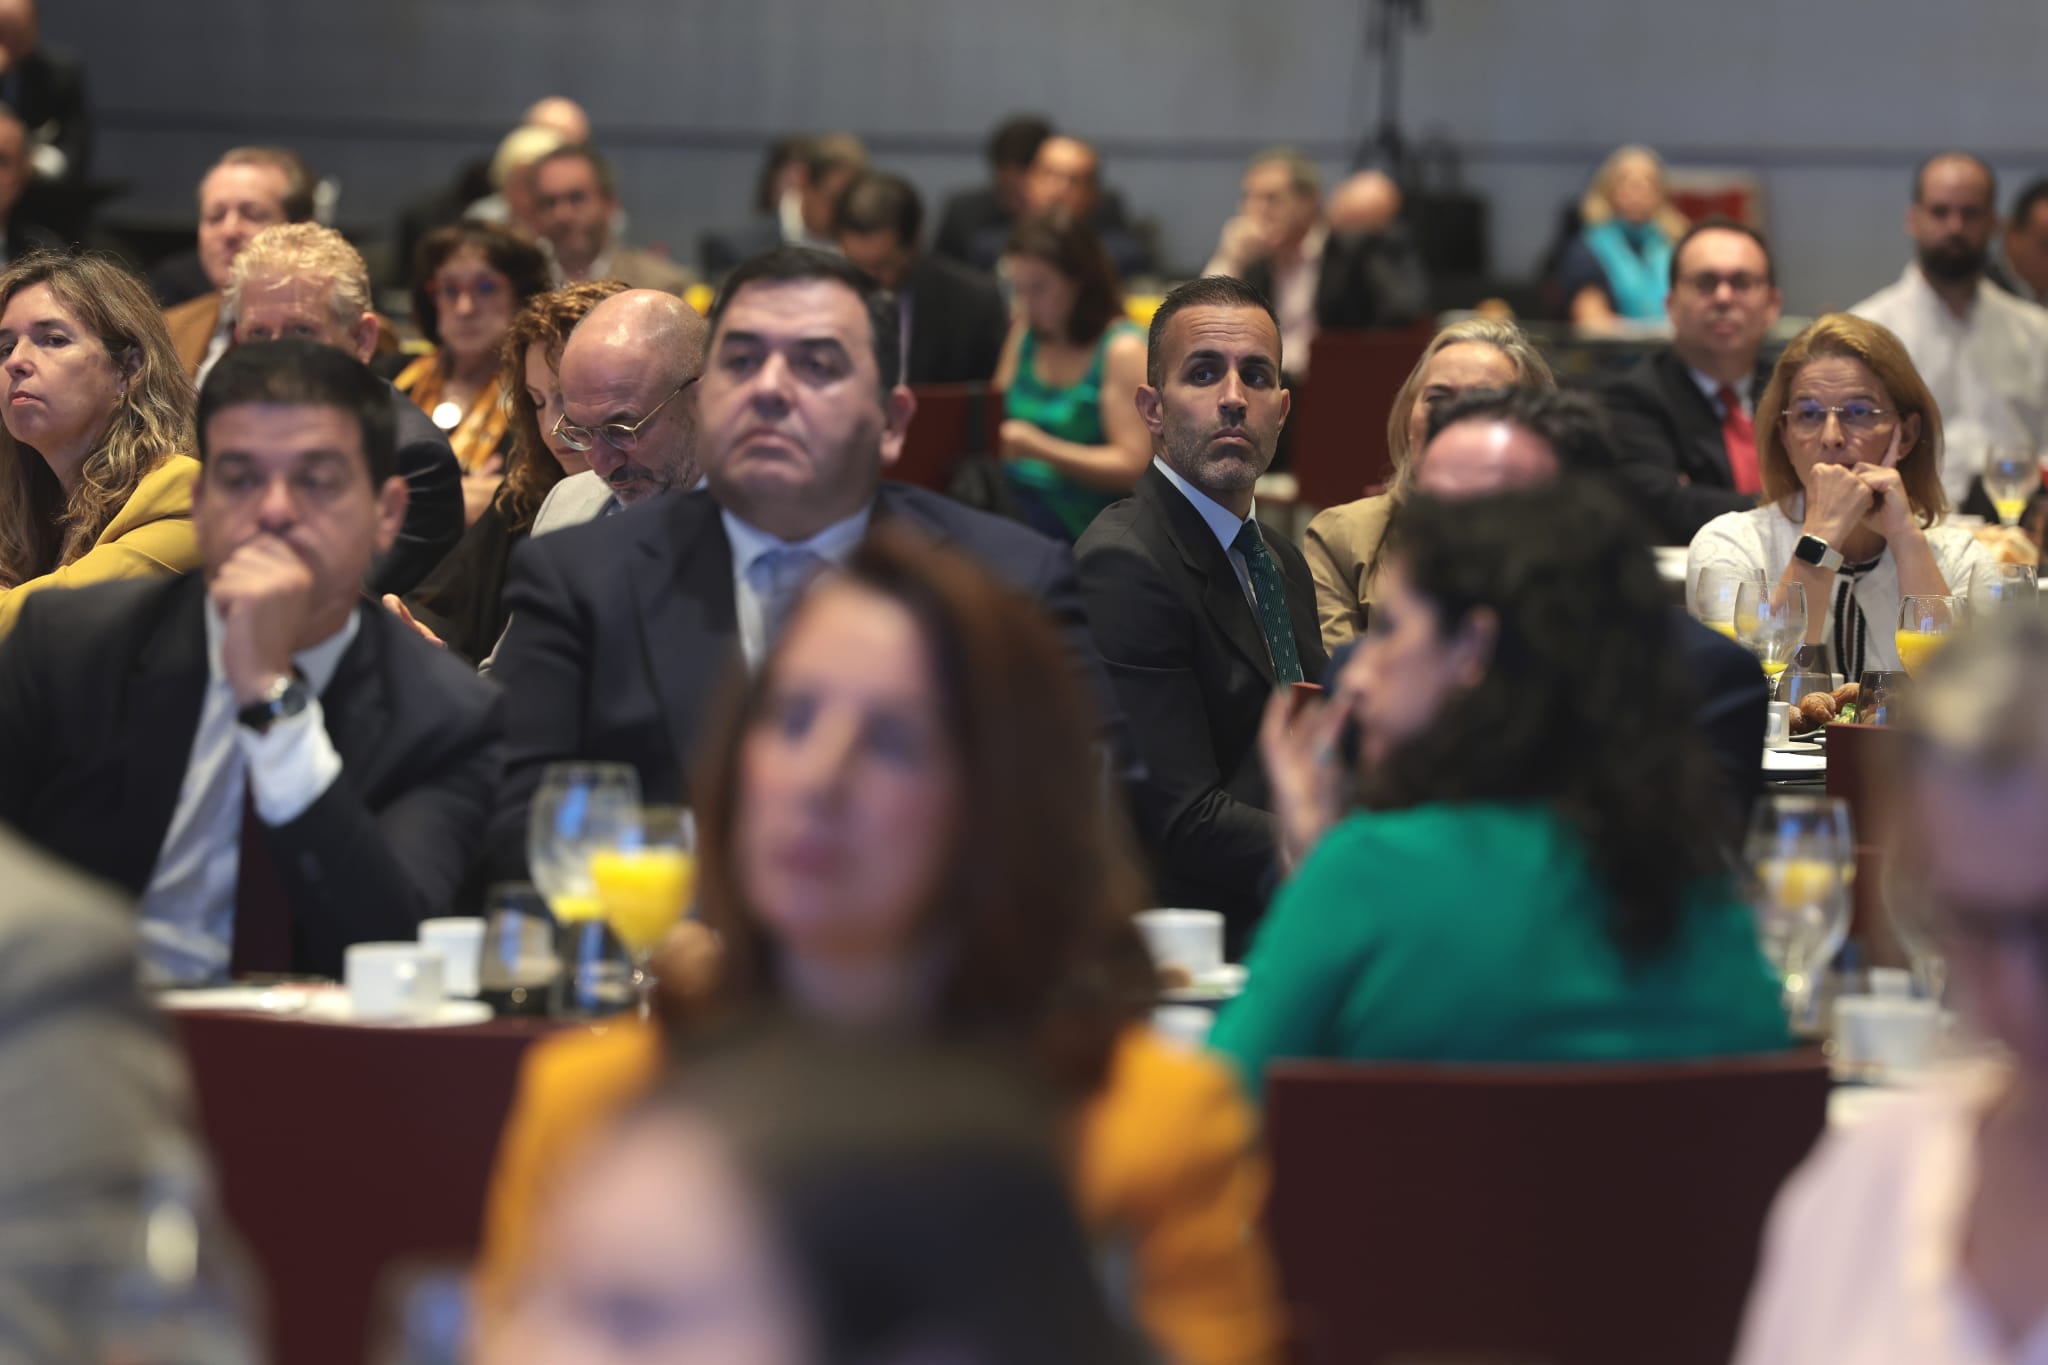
x=1072, y=414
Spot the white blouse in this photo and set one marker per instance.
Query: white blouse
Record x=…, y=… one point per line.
x=1761, y=540
x=1861, y=1260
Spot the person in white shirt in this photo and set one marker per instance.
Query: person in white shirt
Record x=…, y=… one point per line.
x=1921, y=1234
x=1849, y=442
x=1984, y=353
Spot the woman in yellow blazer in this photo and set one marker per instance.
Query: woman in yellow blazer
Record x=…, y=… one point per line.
x=1342, y=543
x=899, y=829
x=93, y=415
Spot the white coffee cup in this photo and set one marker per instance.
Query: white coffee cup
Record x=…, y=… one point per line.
x=1187, y=1025
x=1891, y=983
x=1190, y=940
x=461, y=945
x=1885, y=1037
x=392, y=980
x=1777, y=723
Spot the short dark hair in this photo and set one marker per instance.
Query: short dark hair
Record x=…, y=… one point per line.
x=2031, y=198
x=508, y=252
x=1210, y=291
x=298, y=177
x=600, y=165
x=1715, y=222
x=796, y=264
x=1016, y=139
x=1990, y=176
x=1571, y=424
x=1072, y=247
x=878, y=201
x=298, y=373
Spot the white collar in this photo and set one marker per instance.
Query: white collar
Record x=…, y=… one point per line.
x=834, y=544
x=1223, y=523
x=1711, y=387
x=1916, y=282
x=316, y=662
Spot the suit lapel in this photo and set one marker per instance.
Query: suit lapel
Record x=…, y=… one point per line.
x=1707, y=439
x=166, y=691
x=689, y=623
x=1222, y=595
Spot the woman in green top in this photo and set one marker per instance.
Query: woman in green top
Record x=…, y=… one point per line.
x=1072, y=441
x=1538, y=871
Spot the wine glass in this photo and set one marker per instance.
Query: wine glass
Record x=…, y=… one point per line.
x=578, y=809
x=645, y=880
x=518, y=964
x=1714, y=593
x=1881, y=695
x=1909, y=905
x=1770, y=620
x=1925, y=620
x=2011, y=474
x=1801, y=853
x=2002, y=587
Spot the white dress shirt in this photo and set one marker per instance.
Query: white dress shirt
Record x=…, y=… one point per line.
x=1712, y=387
x=1988, y=371
x=1862, y=1258
x=188, y=910
x=834, y=545
x=216, y=347
x=1221, y=521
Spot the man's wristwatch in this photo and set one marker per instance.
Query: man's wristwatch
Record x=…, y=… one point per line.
x=1814, y=550
x=287, y=696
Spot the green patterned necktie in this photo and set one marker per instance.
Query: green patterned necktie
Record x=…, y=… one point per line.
x=1271, y=603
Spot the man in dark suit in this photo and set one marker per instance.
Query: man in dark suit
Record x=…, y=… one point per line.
x=304, y=280
x=1200, y=612
x=46, y=90
x=953, y=319
x=18, y=236
x=624, y=630
x=276, y=767
x=1509, y=438
x=973, y=217
x=1685, y=418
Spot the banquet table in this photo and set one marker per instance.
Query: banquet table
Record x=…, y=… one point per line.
x=344, y=1152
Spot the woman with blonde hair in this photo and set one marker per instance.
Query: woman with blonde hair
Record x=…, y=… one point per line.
x=1619, y=267
x=95, y=478
x=1849, y=447
x=1343, y=542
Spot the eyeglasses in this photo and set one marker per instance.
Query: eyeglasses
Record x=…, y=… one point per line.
x=448, y=293
x=617, y=435
x=1707, y=283
x=1858, y=419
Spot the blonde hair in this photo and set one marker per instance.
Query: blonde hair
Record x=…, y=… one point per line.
x=1845, y=336
x=522, y=147
x=1597, y=206
x=303, y=251
x=1531, y=371
x=41, y=527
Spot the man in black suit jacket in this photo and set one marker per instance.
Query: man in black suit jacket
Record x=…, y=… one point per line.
x=304, y=280
x=275, y=767
x=623, y=630
x=1686, y=457
x=1200, y=612
x=954, y=319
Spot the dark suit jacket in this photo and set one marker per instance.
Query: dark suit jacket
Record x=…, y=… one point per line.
x=1673, y=461
x=1730, y=699
x=433, y=511
x=47, y=92
x=974, y=228
x=957, y=324
x=1193, y=675
x=1367, y=279
x=623, y=631
x=100, y=690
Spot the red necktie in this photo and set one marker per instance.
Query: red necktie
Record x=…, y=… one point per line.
x=263, y=909
x=1738, y=434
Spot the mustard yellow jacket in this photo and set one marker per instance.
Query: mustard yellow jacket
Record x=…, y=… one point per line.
x=151, y=536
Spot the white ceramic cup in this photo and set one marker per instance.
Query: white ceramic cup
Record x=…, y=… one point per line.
x=1777, y=723
x=1187, y=1025
x=1191, y=940
x=392, y=980
x=1891, y=983
x=461, y=945
x=1885, y=1037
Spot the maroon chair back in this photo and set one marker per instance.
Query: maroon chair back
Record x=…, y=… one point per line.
x=1865, y=768
x=1584, y=1215
x=1340, y=411
x=952, y=422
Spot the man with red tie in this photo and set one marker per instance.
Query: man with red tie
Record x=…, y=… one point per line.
x=1685, y=419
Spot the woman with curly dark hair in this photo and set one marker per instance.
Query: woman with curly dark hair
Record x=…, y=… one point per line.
x=1535, y=871
x=901, y=833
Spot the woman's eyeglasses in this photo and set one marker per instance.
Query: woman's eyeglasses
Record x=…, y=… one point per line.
x=1857, y=418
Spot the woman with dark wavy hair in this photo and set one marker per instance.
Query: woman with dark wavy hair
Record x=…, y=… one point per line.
x=1533, y=873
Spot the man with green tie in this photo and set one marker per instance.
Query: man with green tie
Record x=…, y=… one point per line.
x=1198, y=611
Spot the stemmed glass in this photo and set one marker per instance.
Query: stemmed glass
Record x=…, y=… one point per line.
x=2002, y=587
x=1908, y=904
x=1770, y=620
x=1801, y=853
x=578, y=809
x=1714, y=594
x=2011, y=475
x=646, y=880
x=1925, y=620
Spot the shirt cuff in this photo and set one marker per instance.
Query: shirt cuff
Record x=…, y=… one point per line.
x=291, y=765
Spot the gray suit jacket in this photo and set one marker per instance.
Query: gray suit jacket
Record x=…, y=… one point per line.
x=91, y=1091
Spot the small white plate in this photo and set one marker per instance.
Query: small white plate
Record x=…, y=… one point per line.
x=1209, y=988
x=1799, y=760
x=320, y=1004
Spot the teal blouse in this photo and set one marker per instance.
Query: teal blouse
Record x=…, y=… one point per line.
x=1475, y=933
x=1073, y=414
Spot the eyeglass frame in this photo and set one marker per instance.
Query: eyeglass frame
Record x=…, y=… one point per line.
x=1839, y=413
x=1755, y=283
x=617, y=435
